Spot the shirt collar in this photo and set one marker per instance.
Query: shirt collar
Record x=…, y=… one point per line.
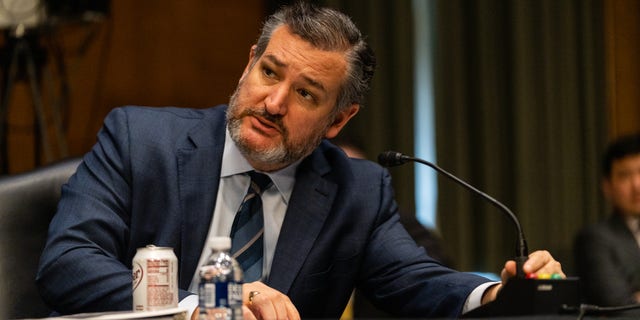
x=633, y=223
x=233, y=163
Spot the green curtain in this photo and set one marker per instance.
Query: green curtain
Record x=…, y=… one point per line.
x=386, y=121
x=520, y=114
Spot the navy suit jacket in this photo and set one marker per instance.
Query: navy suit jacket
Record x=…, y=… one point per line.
x=152, y=178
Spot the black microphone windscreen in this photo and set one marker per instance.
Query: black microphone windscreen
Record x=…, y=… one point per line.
x=391, y=158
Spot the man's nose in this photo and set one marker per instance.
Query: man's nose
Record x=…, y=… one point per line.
x=276, y=100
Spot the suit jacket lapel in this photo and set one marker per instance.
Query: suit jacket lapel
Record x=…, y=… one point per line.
x=199, y=163
x=308, y=208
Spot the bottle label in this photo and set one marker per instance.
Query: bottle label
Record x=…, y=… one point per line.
x=235, y=293
x=207, y=295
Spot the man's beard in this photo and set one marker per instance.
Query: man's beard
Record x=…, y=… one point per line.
x=281, y=155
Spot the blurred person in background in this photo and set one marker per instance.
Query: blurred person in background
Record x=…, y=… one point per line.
x=607, y=253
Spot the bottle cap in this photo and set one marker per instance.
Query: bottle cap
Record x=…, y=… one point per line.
x=220, y=243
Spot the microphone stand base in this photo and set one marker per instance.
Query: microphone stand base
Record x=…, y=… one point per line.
x=532, y=296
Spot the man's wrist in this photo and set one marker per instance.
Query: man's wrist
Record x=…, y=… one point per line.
x=474, y=299
x=491, y=293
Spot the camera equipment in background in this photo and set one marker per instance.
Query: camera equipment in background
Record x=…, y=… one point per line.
x=27, y=25
x=74, y=10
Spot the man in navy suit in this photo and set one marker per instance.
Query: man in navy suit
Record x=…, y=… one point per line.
x=607, y=253
x=173, y=177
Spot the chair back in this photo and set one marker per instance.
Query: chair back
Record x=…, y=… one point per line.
x=28, y=201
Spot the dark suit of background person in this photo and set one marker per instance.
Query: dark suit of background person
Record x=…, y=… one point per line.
x=152, y=178
x=607, y=253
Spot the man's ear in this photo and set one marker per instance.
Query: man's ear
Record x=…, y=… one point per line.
x=341, y=120
x=252, y=55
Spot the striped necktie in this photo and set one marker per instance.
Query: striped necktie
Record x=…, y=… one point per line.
x=248, y=228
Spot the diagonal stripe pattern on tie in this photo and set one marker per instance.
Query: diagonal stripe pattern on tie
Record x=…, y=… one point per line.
x=248, y=229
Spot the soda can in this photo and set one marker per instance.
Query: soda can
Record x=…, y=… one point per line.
x=155, y=279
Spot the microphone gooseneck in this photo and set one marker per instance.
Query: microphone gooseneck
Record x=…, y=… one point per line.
x=393, y=158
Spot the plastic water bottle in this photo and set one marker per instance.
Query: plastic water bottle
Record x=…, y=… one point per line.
x=220, y=288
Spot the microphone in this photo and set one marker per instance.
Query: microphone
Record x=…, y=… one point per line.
x=393, y=158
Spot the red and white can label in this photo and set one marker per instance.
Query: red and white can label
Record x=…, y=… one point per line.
x=155, y=279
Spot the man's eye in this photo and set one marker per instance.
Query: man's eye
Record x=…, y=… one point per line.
x=624, y=175
x=306, y=95
x=268, y=72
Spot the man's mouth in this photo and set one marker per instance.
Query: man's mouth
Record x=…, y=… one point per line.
x=264, y=125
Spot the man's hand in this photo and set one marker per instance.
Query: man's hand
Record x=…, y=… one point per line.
x=539, y=262
x=263, y=302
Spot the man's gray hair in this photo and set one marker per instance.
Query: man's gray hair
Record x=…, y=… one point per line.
x=328, y=30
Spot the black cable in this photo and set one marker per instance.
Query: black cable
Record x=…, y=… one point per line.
x=594, y=309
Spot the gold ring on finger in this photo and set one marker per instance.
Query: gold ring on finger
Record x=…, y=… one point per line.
x=252, y=295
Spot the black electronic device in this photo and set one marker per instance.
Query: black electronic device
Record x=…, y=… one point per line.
x=520, y=297
x=76, y=9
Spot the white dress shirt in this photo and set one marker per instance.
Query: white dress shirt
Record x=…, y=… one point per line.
x=633, y=223
x=234, y=183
